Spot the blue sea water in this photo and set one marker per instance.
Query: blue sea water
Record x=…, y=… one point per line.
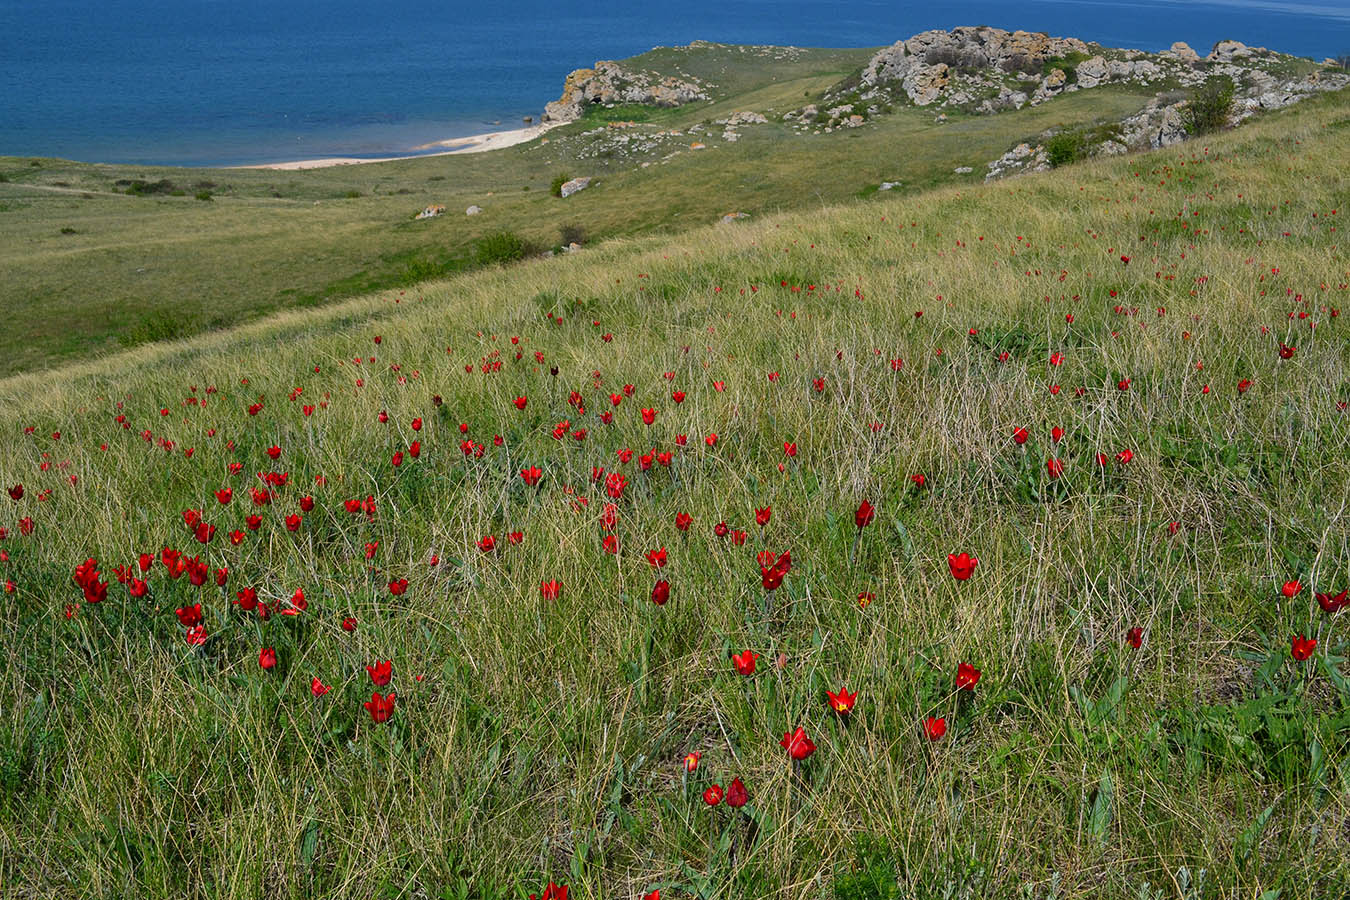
x=226, y=82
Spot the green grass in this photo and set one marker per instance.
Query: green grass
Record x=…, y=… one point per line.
x=157, y=265
x=537, y=739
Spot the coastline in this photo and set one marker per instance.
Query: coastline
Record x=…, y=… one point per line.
x=473, y=143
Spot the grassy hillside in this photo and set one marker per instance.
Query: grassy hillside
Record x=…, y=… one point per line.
x=86, y=267
x=892, y=351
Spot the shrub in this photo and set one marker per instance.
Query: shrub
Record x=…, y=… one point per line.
x=1210, y=106
x=571, y=233
x=203, y=195
x=555, y=187
x=352, y=195
x=1066, y=147
x=500, y=248
x=67, y=230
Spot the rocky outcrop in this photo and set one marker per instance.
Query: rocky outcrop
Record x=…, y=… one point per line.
x=1155, y=126
x=610, y=83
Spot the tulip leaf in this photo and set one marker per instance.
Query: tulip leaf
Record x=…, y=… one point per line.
x=1099, y=821
x=309, y=841
x=1251, y=836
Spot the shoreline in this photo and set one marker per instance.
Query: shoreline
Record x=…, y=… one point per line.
x=473, y=143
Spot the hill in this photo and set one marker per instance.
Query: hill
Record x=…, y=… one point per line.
x=97, y=258
x=371, y=600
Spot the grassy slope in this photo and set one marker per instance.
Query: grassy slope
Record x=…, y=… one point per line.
x=140, y=268
x=543, y=739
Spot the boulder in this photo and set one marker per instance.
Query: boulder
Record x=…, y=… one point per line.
x=1093, y=72
x=576, y=184
x=473, y=210
x=1227, y=51
x=1182, y=51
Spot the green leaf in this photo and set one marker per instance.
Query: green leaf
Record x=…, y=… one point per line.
x=1246, y=842
x=1099, y=821
x=309, y=841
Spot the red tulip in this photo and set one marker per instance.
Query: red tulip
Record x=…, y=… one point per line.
x=661, y=593
x=267, y=658
x=745, y=662
x=1135, y=637
x=842, y=702
x=549, y=589
x=1020, y=435
x=1332, y=603
x=1287, y=352
x=317, y=688
x=962, y=566
x=762, y=515
x=683, y=521
x=16, y=493
x=1301, y=648
x=713, y=795
x=1291, y=588
x=1054, y=467
x=967, y=676
x=737, y=796
x=863, y=517
x=380, y=708
x=691, y=759
x=531, y=475
x=797, y=744
x=935, y=728
x=657, y=558
x=381, y=672
x=648, y=416
x=196, y=636
x=1124, y=456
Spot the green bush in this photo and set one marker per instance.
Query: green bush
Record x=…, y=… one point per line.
x=203, y=195
x=500, y=248
x=555, y=187
x=1210, y=106
x=1066, y=147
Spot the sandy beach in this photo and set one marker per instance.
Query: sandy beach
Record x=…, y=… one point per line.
x=474, y=143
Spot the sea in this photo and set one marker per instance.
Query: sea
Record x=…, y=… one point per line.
x=237, y=82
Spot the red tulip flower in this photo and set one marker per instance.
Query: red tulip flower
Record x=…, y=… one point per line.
x=317, y=688
x=1054, y=467
x=380, y=708
x=842, y=702
x=967, y=676
x=1291, y=588
x=381, y=672
x=267, y=658
x=797, y=744
x=762, y=515
x=1332, y=603
x=935, y=728
x=1287, y=352
x=713, y=795
x=745, y=662
x=661, y=593
x=1020, y=435
x=691, y=759
x=549, y=589
x=737, y=796
x=1135, y=637
x=657, y=558
x=1301, y=647
x=865, y=514
x=962, y=566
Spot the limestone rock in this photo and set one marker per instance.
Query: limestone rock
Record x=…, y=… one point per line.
x=576, y=184
x=473, y=210
x=1092, y=72
x=1227, y=51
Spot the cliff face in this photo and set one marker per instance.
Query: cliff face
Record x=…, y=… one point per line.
x=610, y=83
